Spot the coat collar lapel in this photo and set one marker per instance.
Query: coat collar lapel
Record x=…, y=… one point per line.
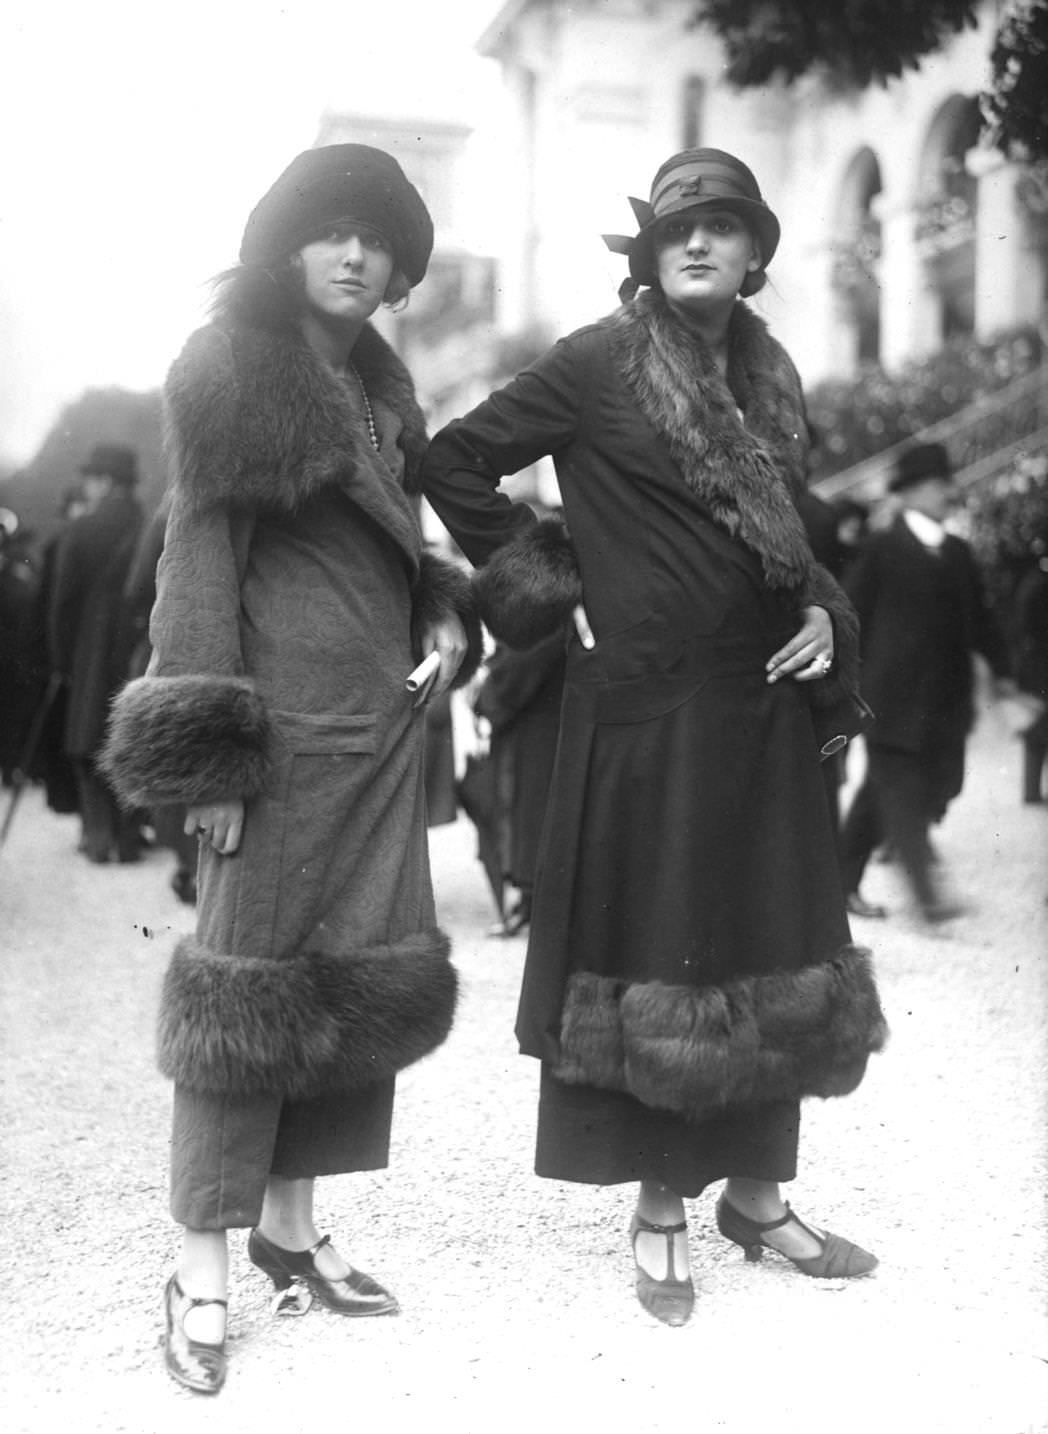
x=257, y=421
x=745, y=470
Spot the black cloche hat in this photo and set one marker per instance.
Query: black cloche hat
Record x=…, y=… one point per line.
x=335, y=182
x=112, y=460
x=695, y=179
x=921, y=461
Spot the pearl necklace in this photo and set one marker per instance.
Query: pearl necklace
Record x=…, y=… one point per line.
x=368, y=411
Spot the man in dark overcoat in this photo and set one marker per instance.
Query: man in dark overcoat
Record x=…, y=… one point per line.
x=923, y=613
x=90, y=637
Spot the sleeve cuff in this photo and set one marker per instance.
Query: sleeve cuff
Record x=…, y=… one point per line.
x=529, y=587
x=443, y=590
x=187, y=740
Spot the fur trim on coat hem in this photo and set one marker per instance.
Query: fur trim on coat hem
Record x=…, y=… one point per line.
x=529, y=587
x=188, y=739
x=442, y=590
x=310, y=1025
x=699, y=1051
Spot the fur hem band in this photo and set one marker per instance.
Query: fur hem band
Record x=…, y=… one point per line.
x=699, y=1051
x=442, y=590
x=311, y=1025
x=174, y=740
x=529, y=587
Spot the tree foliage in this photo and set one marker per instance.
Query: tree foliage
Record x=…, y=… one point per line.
x=1016, y=105
x=852, y=41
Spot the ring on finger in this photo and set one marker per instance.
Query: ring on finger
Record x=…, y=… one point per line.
x=824, y=664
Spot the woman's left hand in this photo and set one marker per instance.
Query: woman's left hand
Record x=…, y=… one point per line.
x=447, y=639
x=809, y=654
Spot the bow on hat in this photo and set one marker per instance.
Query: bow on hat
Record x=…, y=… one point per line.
x=694, y=179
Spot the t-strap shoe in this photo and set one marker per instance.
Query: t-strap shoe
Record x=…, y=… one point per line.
x=197, y=1365
x=356, y=1294
x=837, y=1258
x=670, y=1300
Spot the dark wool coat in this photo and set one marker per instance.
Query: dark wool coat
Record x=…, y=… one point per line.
x=291, y=590
x=88, y=633
x=923, y=614
x=689, y=944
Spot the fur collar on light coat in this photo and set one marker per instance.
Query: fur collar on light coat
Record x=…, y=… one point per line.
x=254, y=418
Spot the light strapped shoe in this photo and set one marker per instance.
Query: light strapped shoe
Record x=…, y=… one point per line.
x=670, y=1300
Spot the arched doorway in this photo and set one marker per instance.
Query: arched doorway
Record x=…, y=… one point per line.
x=857, y=256
x=945, y=222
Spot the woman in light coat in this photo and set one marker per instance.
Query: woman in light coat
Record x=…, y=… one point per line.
x=294, y=598
x=690, y=974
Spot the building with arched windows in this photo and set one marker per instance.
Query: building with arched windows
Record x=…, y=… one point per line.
x=899, y=230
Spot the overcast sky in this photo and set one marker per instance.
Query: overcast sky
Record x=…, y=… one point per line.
x=136, y=137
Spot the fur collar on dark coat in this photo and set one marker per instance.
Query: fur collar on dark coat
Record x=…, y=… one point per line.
x=253, y=418
x=745, y=472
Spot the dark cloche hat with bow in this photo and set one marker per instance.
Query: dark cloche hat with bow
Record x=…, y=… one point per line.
x=112, y=460
x=336, y=182
x=696, y=179
x=921, y=461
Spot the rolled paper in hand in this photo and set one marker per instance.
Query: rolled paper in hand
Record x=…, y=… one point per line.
x=424, y=673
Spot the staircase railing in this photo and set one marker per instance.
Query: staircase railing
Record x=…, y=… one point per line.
x=982, y=439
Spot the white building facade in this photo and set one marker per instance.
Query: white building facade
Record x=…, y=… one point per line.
x=898, y=229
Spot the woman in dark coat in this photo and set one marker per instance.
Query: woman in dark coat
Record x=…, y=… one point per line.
x=690, y=974
x=294, y=597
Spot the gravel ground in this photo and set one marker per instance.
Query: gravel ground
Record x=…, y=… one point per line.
x=517, y=1293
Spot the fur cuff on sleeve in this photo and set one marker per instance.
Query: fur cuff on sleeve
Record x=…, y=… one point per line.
x=822, y=590
x=175, y=740
x=443, y=590
x=528, y=588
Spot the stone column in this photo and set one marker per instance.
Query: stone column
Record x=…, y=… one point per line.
x=911, y=317
x=1009, y=274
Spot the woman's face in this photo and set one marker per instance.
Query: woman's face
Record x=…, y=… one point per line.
x=345, y=274
x=703, y=257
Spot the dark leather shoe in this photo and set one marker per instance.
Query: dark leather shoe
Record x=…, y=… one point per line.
x=357, y=1294
x=837, y=1258
x=184, y=885
x=198, y=1366
x=858, y=906
x=935, y=912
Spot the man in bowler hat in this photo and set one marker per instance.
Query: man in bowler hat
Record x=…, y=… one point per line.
x=90, y=639
x=923, y=612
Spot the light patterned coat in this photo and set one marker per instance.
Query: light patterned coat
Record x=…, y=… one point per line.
x=291, y=592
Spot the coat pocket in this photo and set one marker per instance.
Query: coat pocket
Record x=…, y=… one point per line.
x=319, y=734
